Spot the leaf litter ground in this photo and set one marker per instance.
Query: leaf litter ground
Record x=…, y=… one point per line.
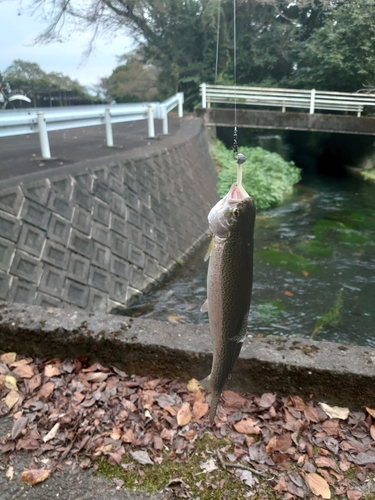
x=154, y=434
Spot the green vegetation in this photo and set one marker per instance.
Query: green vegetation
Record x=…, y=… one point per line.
x=266, y=176
x=268, y=312
x=342, y=228
x=313, y=248
x=290, y=261
x=330, y=318
x=215, y=485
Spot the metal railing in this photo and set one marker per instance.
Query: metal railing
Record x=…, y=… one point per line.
x=43, y=120
x=286, y=98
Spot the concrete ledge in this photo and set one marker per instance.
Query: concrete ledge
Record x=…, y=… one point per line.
x=324, y=371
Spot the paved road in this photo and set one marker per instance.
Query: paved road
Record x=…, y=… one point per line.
x=20, y=155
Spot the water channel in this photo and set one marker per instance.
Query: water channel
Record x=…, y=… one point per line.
x=314, y=268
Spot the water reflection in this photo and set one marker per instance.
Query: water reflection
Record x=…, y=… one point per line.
x=315, y=248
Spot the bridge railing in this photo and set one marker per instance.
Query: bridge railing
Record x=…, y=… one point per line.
x=43, y=120
x=285, y=98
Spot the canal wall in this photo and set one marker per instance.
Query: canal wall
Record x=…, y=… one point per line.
x=95, y=234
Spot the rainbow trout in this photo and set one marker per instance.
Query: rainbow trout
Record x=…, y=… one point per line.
x=229, y=284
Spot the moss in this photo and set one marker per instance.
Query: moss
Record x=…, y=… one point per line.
x=205, y=486
x=352, y=237
x=268, y=312
x=313, y=248
x=325, y=226
x=290, y=261
x=331, y=317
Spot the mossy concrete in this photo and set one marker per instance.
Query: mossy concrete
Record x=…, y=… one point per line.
x=324, y=371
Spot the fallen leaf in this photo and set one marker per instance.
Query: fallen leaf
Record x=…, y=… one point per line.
x=128, y=436
x=8, y=357
x=11, y=383
x=10, y=473
x=372, y=432
x=209, y=465
x=24, y=371
x=247, y=426
x=184, y=415
x=233, y=400
x=35, y=476
x=305, y=273
x=115, y=434
x=97, y=377
x=21, y=362
x=335, y=411
x=371, y=412
x=279, y=443
x=193, y=385
x=52, y=371
x=141, y=457
x=46, y=390
x=354, y=494
x=288, y=293
x=199, y=409
x=19, y=426
x=317, y=485
x=11, y=399
x=267, y=400
x=52, y=433
x=175, y=319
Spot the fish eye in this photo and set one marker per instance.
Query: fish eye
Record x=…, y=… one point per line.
x=236, y=212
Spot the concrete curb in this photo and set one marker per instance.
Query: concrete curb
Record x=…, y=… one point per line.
x=324, y=371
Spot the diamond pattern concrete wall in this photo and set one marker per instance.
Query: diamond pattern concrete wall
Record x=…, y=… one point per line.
x=95, y=235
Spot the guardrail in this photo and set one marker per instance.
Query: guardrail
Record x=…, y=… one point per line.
x=43, y=120
x=285, y=98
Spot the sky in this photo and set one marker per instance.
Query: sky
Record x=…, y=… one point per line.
x=18, y=31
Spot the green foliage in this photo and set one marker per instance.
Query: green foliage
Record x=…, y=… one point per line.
x=267, y=177
x=290, y=261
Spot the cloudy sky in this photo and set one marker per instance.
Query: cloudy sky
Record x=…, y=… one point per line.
x=18, y=31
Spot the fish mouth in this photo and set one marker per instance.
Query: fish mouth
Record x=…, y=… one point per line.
x=236, y=193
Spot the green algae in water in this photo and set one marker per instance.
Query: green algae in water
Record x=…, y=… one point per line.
x=352, y=237
x=324, y=227
x=291, y=261
x=331, y=317
x=314, y=248
x=268, y=312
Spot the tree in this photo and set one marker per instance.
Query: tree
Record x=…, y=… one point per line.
x=131, y=82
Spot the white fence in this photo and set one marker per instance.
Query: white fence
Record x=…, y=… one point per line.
x=286, y=98
x=43, y=120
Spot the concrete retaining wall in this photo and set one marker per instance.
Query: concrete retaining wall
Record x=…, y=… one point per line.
x=96, y=234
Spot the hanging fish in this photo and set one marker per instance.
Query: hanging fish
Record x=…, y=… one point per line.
x=229, y=284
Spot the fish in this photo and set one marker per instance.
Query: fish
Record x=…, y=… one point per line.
x=229, y=284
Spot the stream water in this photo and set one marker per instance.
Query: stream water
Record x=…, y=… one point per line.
x=314, y=268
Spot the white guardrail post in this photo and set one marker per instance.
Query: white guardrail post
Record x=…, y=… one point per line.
x=164, y=116
x=43, y=137
x=150, y=119
x=180, y=97
x=204, y=95
x=312, y=102
x=108, y=128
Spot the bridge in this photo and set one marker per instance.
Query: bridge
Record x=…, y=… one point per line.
x=340, y=112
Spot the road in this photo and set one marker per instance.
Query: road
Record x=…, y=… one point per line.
x=20, y=155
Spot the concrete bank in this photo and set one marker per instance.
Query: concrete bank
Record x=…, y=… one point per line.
x=95, y=234
x=328, y=372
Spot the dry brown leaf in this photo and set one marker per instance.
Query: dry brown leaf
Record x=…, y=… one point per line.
x=128, y=436
x=288, y=293
x=10, y=473
x=115, y=434
x=184, y=415
x=21, y=362
x=199, y=409
x=35, y=476
x=354, y=494
x=190, y=434
x=279, y=443
x=175, y=319
x=267, y=400
x=24, y=371
x=317, y=485
x=335, y=411
x=233, y=400
x=311, y=413
x=372, y=432
x=326, y=462
x=46, y=390
x=247, y=426
x=34, y=382
x=52, y=371
x=96, y=377
x=11, y=399
x=371, y=412
x=8, y=357
x=52, y=433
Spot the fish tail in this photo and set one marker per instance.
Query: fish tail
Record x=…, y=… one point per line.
x=213, y=408
x=206, y=383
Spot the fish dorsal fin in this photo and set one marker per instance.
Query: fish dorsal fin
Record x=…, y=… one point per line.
x=204, y=307
x=209, y=249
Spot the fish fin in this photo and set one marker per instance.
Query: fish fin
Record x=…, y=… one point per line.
x=204, y=307
x=206, y=383
x=209, y=249
x=235, y=349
